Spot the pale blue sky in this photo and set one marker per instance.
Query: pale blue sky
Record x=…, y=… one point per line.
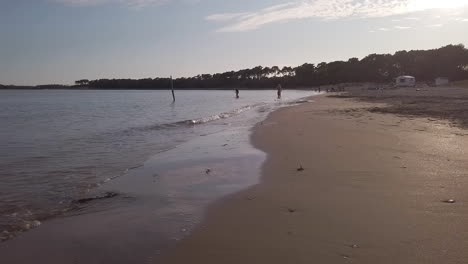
x=60, y=41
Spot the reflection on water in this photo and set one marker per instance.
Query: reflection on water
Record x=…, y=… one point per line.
x=58, y=146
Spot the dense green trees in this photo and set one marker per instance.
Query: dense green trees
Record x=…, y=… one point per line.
x=450, y=61
x=82, y=82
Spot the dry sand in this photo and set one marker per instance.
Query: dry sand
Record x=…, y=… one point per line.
x=372, y=189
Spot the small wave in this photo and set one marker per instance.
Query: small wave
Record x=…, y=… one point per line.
x=197, y=121
x=17, y=222
x=221, y=116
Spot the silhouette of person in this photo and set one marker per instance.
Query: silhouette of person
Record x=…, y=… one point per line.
x=237, y=93
x=279, y=88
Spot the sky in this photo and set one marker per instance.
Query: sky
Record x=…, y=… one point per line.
x=60, y=41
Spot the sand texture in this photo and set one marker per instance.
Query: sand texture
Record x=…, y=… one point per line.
x=375, y=187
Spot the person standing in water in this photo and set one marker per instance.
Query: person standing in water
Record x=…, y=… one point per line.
x=279, y=88
x=172, y=90
x=237, y=93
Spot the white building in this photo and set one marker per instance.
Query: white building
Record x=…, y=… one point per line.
x=441, y=81
x=405, y=81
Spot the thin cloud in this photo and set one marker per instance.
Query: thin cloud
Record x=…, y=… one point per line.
x=81, y=2
x=324, y=9
x=279, y=7
x=402, y=27
x=225, y=17
x=412, y=18
x=386, y=29
x=435, y=25
x=458, y=19
x=131, y=3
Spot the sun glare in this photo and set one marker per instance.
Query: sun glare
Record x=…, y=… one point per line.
x=417, y=5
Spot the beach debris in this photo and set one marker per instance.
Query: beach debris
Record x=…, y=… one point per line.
x=354, y=246
x=345, y=256
x=403, y=167
x=300, y=168
x=450, y=201
x=291, y=210
x=396, y=157
x=208, y=171
x=98, y=197
x=225, y=145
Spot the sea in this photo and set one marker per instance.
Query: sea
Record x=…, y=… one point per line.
x=66, y=153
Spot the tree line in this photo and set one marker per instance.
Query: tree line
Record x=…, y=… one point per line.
x=450, y=61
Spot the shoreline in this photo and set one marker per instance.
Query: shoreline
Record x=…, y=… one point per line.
x=372, y=191
x=102, y=160
x=155, y=206
x=311, y=89
x=162, y=200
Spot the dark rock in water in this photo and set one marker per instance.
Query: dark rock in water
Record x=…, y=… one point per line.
x=106, y=195
x=450, y=201
x=208, y=171
x=300, y=168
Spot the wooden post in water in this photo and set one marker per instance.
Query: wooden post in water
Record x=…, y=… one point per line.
x=172, y=89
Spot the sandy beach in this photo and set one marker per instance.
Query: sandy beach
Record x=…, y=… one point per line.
x=384, y=181
x=233, y=132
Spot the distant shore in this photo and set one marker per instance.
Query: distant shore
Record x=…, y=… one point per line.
x=24, y=88
x=448, y=62
x=366, y=178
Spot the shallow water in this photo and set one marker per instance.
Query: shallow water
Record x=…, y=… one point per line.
x=59, y=146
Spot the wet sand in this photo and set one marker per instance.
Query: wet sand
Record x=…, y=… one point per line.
x=157, y=205
x=374, y=189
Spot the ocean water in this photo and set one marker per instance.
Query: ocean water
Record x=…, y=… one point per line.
x=59, y=146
